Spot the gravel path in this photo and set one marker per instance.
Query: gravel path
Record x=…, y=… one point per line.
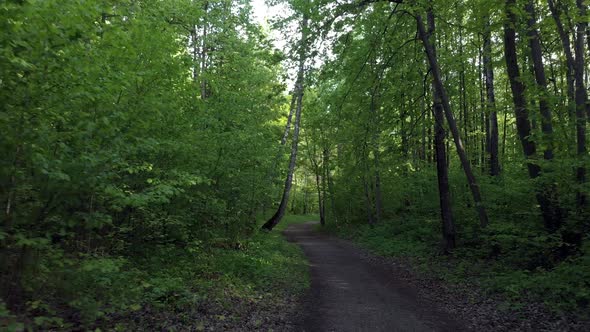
x=349, y=293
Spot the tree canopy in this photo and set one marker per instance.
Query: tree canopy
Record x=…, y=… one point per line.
x=138, y=129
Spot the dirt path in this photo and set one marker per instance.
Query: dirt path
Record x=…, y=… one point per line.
x=351, y=294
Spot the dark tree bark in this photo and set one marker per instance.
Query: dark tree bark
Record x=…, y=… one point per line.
x=446, y=213
x=540, y=78
x=490, y=100
x=367, y=185
x=569, y=58
x=463, y=112
x=435, y=69
x=305, y=195
x=581, y=101
x=549, y=208
x=375, y=146
x=331, y=192
x=318, y=169
x=423, y=155
x=324, y=192
x=319, y=184
x=276, y=218
x=368, y=204
x=444, y=194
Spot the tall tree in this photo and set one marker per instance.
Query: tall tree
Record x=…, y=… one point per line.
x=299, y=89
x=436, y=73
x=582, y=105
x=549, y=206
x=540, y=78
x=490, y=97
x=444, y=194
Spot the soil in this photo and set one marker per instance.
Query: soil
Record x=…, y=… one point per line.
x=350, y=293
x=355, y=290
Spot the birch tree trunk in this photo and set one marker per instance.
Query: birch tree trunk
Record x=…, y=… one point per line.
x=276, y=218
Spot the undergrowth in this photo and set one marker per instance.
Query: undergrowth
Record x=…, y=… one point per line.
x=514, y=261
x=94, y=291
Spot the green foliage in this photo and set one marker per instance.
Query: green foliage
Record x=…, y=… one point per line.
x=372, y=111
x=392, y=239
x=131, y=143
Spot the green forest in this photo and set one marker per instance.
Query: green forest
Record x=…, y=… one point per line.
x=153, y=152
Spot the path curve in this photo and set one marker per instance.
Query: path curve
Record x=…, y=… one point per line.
x=349, y=293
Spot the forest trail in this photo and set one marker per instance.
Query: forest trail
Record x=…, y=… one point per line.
x=349, y=293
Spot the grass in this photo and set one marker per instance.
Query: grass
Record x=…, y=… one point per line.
x=264, y=268
x=170, y=285
x=295, y=219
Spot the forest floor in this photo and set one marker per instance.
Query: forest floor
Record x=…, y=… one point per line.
x=350, y=293
x=353, y=289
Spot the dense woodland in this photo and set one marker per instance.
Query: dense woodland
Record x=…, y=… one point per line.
x=145, y=144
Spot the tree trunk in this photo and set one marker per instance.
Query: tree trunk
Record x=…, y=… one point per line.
x=289, y=118
x=446, y=213
x=326, y=155
x=305, y=194
x=549, y=208
x=483, y=218
x=368, y=204
x=491, y=100
x=323, y=210
x=569, y=59
x=204, y=53
x=319, y=181
x=540, y=78
x=273, y=170
x=276, y=218
x=375, y=146
x=581, y=102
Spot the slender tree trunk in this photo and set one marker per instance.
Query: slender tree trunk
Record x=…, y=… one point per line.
x=491, y=100
x=204, y=53
x=294, y=201
x=305, y=194
x=368, y=204
x=289, y=118
x=404, y=133
x=273, y=170
x=323, y=208
x=330, y=184
x=435, y=69
x=375, y=146
x=444, y=193
x=463, y=96
x=446, y=213
x=378, y=197
x=423, y=138
x=540, y=78
x=581, y=102
x=319, y=180
x=367, y=185
x=195, y=54
x=276, y=218
x=430, y=157
x=569, y=58
x=550, y=210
